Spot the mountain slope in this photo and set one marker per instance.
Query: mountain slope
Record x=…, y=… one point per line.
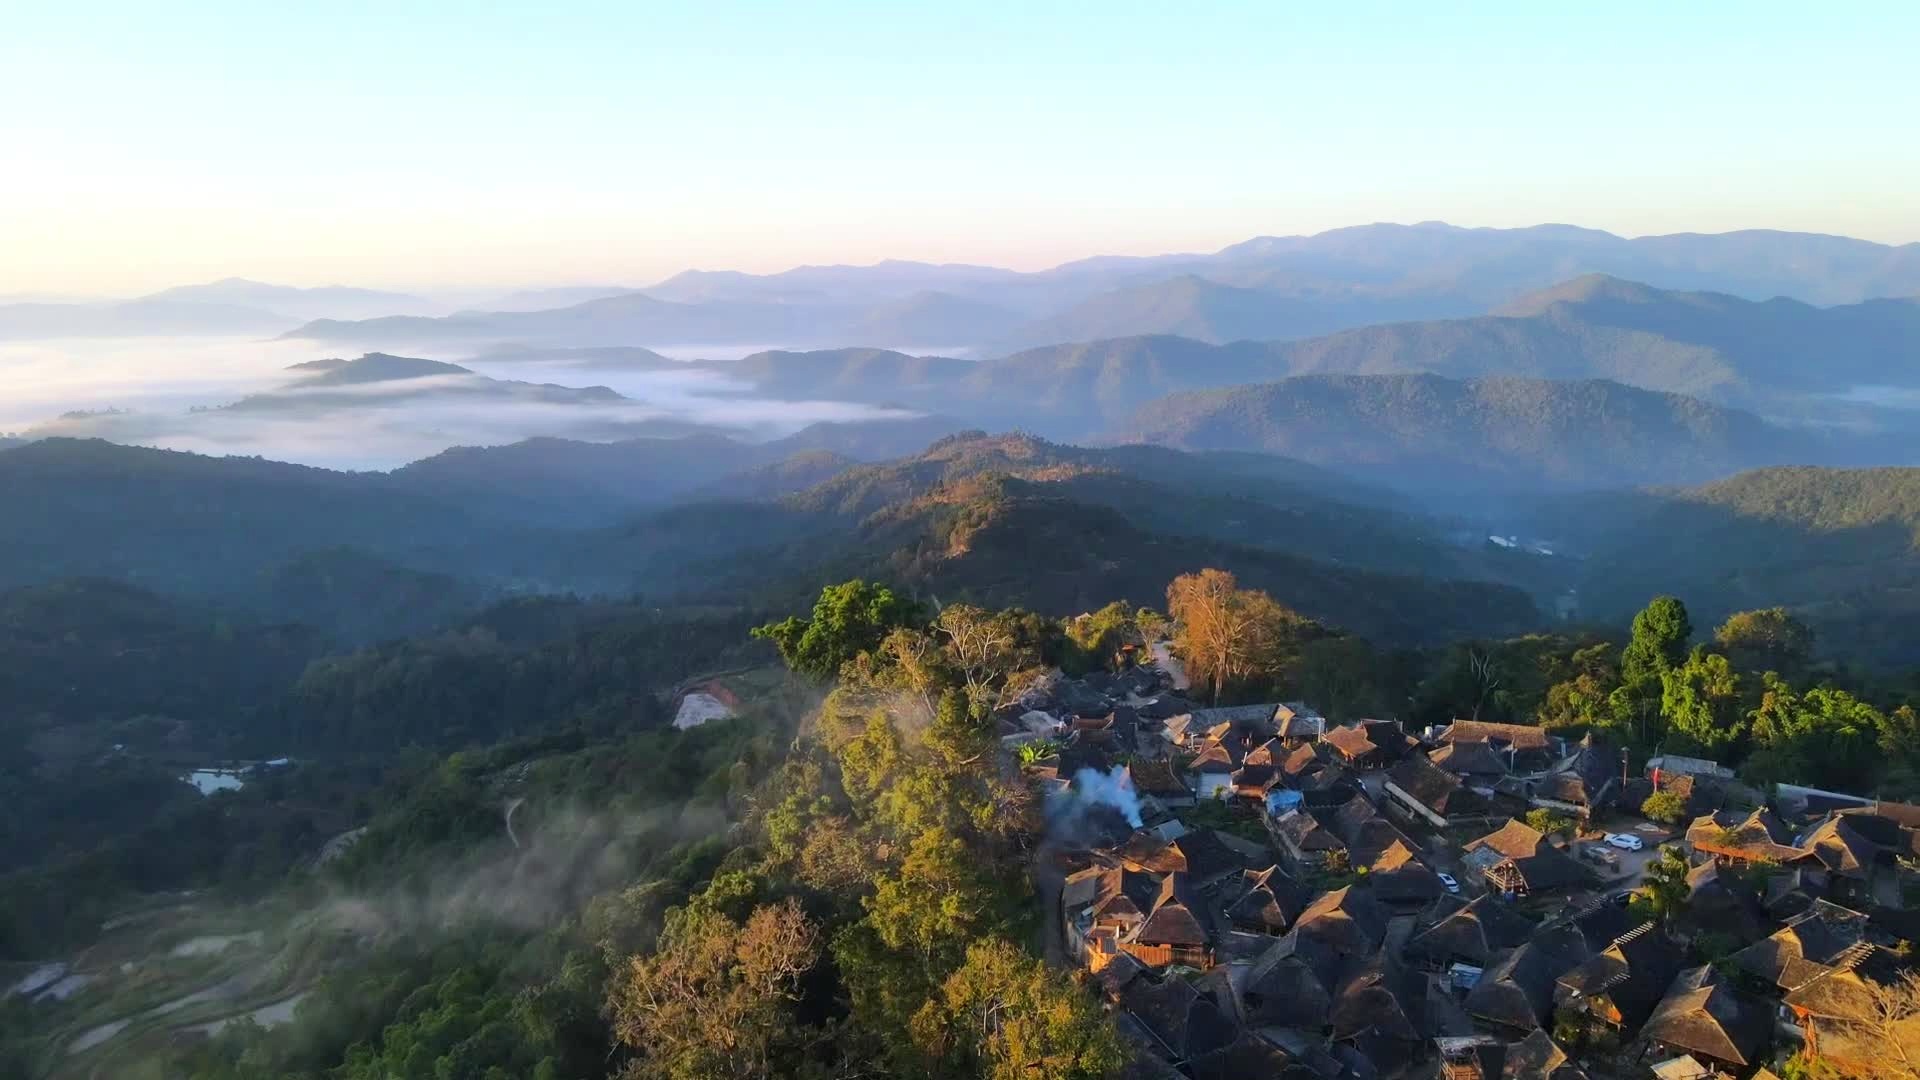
x=1003, y=541
x=1425, y=430
x=1841, y=547
x=1188, y=306
x=582, y=482
x=185, y=523
x=874, y=376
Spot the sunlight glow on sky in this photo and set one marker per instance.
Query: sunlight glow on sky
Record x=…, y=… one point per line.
x=433, y=144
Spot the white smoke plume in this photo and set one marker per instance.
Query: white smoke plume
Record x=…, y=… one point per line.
x=1112, y=788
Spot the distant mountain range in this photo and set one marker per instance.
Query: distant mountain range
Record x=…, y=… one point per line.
x=1268, y=288
x=335, y=301
x=234, y=306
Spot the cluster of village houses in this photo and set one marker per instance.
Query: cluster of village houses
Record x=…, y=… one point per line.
x=1376, y=906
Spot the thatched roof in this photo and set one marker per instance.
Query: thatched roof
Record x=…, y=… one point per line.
x=1516, y=839
x=1760, y=835
x=1348, y=918
x=1272, y=901
x=1425, y=782
x=1521, y=737
x=1703, y=1015
x=1159, y=777
x=1805, y=948
x=1292, y=984
x=1178, y=916
x=1536, y=1057
x=1633, y=973
x=1352, y=743
x=1477, y=931
x=1382, y=997
x=1185, y=1022
x=1470, y=757
x=1518, y=991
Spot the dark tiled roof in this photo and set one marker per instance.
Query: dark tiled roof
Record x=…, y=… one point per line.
x=1304, y=831
x=1397, y=876
x=1382, y=997
x=1255, y=777
x=1843, y=846
x=1206, y=856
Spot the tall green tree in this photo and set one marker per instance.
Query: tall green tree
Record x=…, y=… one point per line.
x=1664, y=888
x=938, y=899
x=1825, y=733
x=1661, y=632
x=1701, y=702
x=848, y=619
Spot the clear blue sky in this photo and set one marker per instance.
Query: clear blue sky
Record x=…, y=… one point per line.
x=396, y=143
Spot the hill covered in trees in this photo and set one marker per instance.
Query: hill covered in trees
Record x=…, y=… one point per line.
x=1840, y=547
x=1493, y=433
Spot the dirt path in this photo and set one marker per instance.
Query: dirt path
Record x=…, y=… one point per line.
x=1164, y=659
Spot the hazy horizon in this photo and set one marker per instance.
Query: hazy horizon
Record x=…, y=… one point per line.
x=418, y=148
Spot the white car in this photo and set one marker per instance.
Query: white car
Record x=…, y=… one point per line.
x=1625, y=842
x=1452, y=883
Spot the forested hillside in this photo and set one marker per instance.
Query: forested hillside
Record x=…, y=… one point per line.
x=1495, y=434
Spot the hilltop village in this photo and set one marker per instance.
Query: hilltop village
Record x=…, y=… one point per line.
x=1256, y=892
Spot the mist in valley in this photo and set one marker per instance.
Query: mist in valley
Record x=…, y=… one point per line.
x=231, y=396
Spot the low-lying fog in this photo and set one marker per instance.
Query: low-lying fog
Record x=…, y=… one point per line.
x=170, y=392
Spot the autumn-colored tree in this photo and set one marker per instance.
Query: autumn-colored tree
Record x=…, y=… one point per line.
x=715, y=1000
x=1004, y=1016
x=986, y=648
x=1223, y=631
x=836, y=859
